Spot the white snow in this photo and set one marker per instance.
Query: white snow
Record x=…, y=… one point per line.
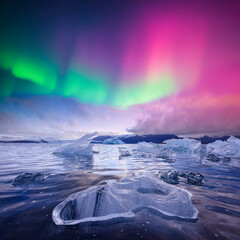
x=120, y=200
x=80, y=148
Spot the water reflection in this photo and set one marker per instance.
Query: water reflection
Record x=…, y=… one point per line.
x=27, y=210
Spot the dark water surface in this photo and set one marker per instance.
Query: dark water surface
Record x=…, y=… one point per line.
x=26, y=212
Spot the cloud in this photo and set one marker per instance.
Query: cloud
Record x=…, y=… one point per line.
x=190, y=115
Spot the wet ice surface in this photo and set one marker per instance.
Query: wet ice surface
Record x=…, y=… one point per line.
x=119, y=200
x=80, y=148
x=26, y=211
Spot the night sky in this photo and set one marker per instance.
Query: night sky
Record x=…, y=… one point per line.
x=155, y=67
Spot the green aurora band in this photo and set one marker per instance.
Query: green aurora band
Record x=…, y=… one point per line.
x=24, y=75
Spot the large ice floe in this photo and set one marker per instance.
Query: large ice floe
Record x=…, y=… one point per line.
x=229, y=148
x=168, y=148
x=148, y=150
x=183, y=145
x=80, y=148
x=114, y=140
x=223, y=153
x=120, y=200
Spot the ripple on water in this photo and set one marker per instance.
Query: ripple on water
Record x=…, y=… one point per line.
x=27, y=210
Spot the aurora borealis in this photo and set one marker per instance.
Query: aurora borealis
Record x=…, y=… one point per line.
x=144, y=66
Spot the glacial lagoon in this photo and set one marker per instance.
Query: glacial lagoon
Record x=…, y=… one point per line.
x=26, y=210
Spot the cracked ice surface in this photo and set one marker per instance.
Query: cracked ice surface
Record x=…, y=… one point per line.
x=80, y=148
x=120, y=200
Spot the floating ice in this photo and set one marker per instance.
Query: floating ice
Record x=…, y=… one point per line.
x=80, y=148
x=148, y=150
x=221, y=161
x=172, y=177
x=27, y=178
x=124, y=152
x=169, y=148
x=183, y=145
x=213, y=158
x=221, y=149
x=192, y=178
x=223, y=153
x=120, y=200
x=113, y=140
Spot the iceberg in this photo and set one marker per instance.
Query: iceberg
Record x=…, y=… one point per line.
x=169, y=149
x=148, y=150
x=183, y=145
x=121, y=200
x=113, y=140
x=224, y=149
x=80, y=148
x=124, y=152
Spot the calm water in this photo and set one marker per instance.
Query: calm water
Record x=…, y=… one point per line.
x=25, y=212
